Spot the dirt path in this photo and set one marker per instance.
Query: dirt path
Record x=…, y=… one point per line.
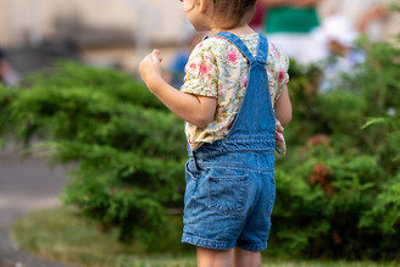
x=25, y=185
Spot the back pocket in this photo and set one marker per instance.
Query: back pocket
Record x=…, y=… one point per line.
x=228, y=194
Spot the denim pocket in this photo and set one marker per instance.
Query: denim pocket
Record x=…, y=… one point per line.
x=189, y=171
x=191, y=181
x=228, y=194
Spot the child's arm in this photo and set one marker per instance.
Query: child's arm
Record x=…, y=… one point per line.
x=283, y=108
x=197, y=110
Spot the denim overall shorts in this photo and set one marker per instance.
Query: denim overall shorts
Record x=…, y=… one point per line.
x=230, y=183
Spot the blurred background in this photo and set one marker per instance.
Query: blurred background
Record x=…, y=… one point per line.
x=119, y=33
x=91, y=170
x=101, y=32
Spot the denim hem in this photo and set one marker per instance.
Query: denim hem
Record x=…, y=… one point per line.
x=253, y=247
x=207, y=243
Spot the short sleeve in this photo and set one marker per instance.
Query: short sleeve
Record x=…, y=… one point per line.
x=283, y=77
x=201, y=72
x=281, y=64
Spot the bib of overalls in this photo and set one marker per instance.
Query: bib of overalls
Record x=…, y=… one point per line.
x=254, y=126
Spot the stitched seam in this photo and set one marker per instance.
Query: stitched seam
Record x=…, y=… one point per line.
x=206, y=154
x=267, y=170
x=208, y=240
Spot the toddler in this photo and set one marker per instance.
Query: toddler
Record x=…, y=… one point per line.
x=233, y=99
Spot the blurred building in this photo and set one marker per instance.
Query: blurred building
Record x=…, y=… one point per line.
x=103, y=31
x=116, y=32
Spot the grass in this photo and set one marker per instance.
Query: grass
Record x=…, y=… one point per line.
x=60, y=235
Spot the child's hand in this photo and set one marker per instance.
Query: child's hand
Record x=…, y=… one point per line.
x=150, y=68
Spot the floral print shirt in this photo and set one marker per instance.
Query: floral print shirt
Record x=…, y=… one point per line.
x=216, y=68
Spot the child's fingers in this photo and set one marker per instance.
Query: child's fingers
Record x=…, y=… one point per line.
x=156, y=56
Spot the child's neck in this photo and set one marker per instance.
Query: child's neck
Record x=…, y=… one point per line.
x=242, y=29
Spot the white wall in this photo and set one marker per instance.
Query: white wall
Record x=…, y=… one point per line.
x=17, y=17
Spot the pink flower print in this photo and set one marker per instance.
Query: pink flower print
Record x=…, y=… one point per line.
x=193, y=66
x=233, y=57
x=245, y=82
x=204, y=68
x=281, y=75
x=276, y=53
x=279, y=136
x=219, y=91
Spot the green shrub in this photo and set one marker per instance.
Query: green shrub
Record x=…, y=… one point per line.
x=128, y=148
x=337, y=190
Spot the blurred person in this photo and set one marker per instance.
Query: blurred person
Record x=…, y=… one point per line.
x=176, y=70
x=345, y=55
x=4, y=67
x=375, y=13
x=8, y=76
x=379, y=22
x=235, y=85
x=294, y=25
x=371, y=17
x=257, y=22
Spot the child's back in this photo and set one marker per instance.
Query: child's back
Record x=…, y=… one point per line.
x=218, y=69
x=231, y=181
x=227, y=101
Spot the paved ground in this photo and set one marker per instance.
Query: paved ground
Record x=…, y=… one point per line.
x=25, y=185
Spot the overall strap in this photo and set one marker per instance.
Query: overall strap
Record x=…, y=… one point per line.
x=239, y=44
x=262, y=51
x=255, y=118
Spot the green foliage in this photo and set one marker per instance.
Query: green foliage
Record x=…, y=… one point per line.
x=337, y=190
x=128, y=148
x=387, y=208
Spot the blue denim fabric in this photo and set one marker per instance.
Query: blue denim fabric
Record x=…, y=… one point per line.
x=230, y=183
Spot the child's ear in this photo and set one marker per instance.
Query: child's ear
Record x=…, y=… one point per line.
x=203, y=5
